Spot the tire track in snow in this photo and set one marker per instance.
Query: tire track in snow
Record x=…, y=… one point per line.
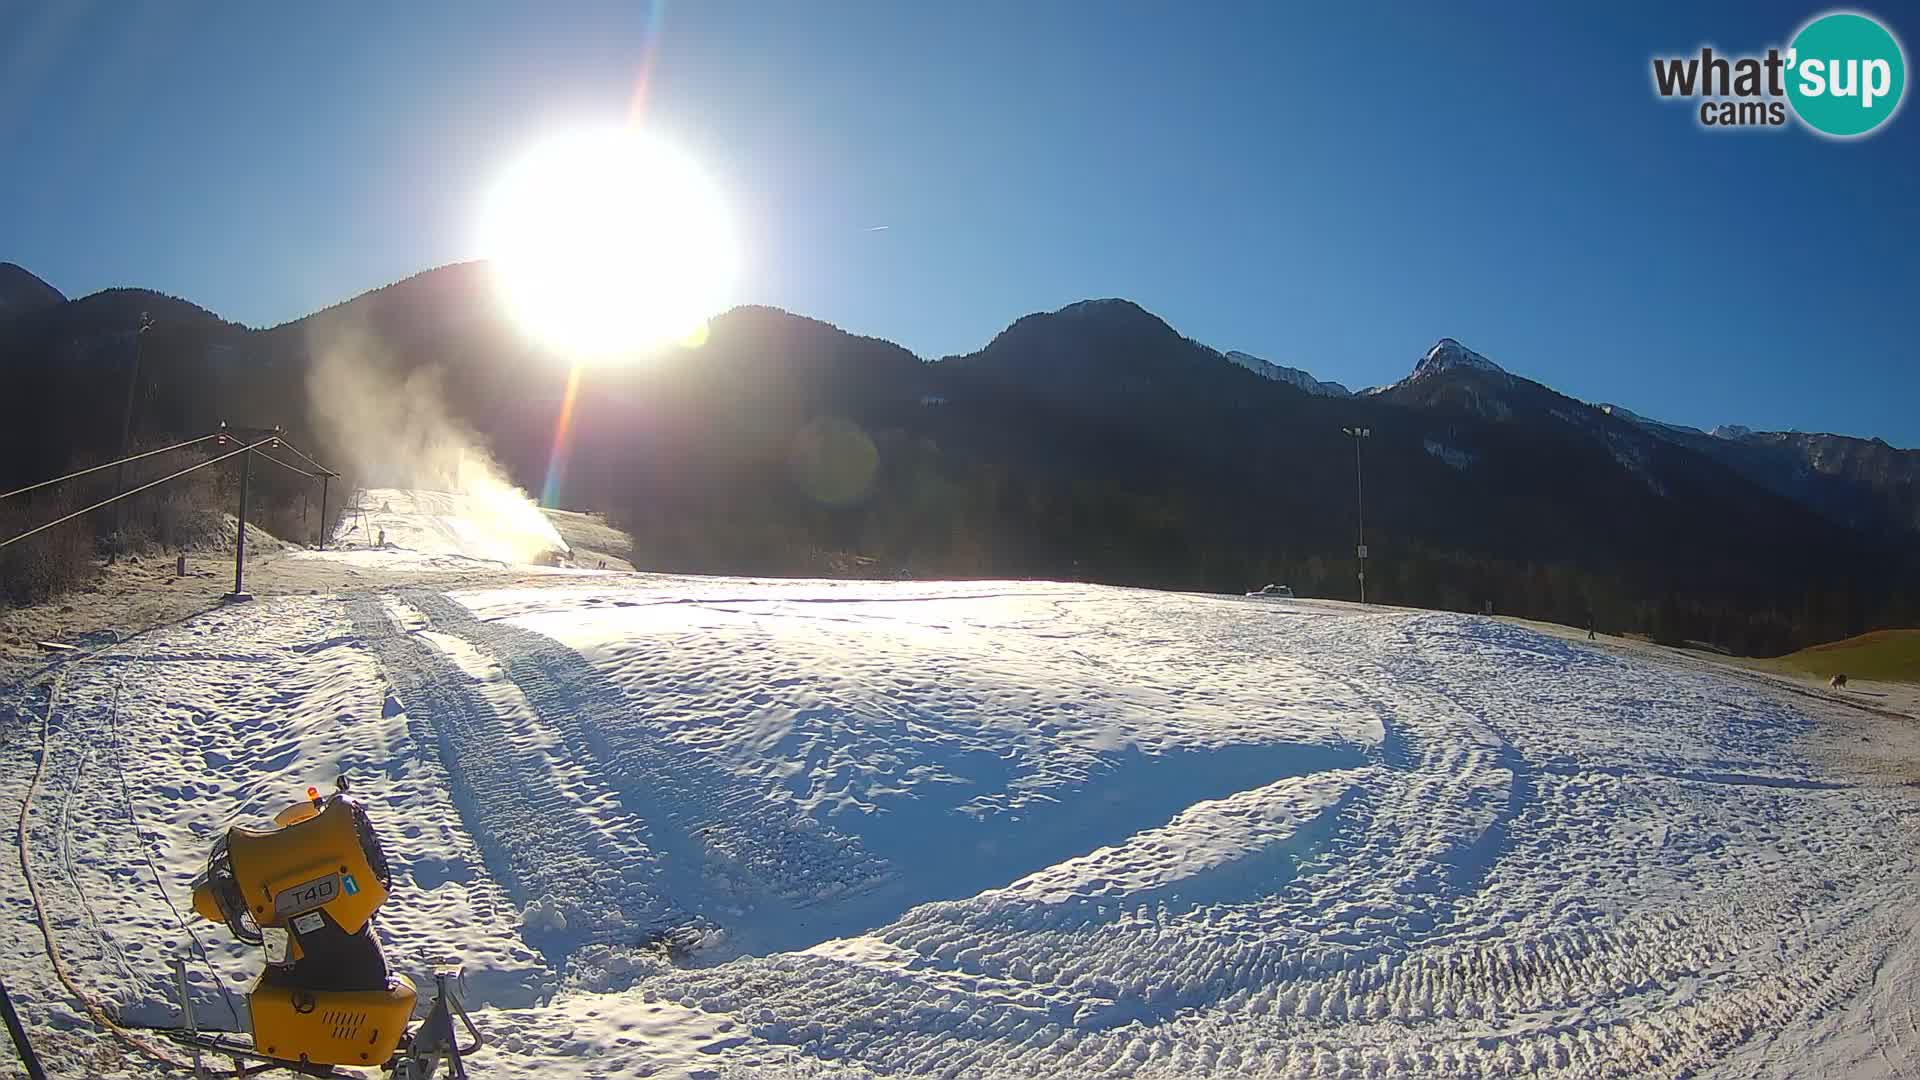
x=1100, y=973
x=727, y=844
x=1421, y=832
x=1434, y=974
x=533, y=836
x=1314, y=948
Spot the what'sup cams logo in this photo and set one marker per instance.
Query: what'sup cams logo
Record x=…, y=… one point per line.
x=1843, y=76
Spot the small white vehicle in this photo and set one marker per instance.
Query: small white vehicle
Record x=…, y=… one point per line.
x=1273, y=592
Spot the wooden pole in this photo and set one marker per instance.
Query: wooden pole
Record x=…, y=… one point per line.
x=20, y=1042
x=240, y=538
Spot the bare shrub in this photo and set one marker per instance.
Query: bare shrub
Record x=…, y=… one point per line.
x=48, y=564
x=176, y=514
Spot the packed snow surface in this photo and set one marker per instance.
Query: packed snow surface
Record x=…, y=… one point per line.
x=708, y=827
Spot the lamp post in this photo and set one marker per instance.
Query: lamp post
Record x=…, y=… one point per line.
x=1358, y=435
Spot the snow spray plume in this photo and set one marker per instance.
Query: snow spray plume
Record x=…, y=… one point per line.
x=393, y=431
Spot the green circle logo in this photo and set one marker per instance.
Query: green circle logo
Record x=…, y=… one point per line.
x=1846, y=74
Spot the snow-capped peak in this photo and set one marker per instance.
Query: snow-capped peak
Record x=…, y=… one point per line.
x=1291, y=376
x=1449, y=355
x=1731, y=431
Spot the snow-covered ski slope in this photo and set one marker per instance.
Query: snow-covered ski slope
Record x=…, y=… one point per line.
x=722, y=827
x=494, y=524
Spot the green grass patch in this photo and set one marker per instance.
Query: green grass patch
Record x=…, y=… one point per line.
x=1892, y=655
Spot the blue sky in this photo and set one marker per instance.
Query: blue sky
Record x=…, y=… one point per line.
x=1332, y=187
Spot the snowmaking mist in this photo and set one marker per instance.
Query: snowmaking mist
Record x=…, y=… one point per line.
x=414, y=461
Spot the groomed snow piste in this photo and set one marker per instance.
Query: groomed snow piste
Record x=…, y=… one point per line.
x=491, y=522
x=721, y=827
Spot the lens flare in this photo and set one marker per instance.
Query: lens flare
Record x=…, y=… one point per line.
x=834, y=461
x=562, y=442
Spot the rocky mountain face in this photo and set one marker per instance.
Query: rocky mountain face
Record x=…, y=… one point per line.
x=1094, y=442
x=1860, y=482
x=1863, y=484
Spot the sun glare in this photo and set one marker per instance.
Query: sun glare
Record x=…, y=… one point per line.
x=605, y=244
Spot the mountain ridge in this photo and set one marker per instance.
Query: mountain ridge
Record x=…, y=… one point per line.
x=1092, y=442
x=1447, y=353
x=1292, y=376
x=21, y=291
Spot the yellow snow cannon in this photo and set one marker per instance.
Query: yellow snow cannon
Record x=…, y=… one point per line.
x=306, y=891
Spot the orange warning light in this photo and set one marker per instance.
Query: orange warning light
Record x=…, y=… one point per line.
x=313, y=793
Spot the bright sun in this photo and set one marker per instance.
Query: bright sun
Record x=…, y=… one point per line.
x=607, y=243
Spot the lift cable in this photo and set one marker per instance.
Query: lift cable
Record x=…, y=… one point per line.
x=284, y=465
x=132, y=491
x=108, y=465
x=295, y=451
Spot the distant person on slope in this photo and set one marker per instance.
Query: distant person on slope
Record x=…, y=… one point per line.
x=1591, y=636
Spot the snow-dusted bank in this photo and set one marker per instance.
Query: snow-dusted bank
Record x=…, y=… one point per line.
x=711, y=826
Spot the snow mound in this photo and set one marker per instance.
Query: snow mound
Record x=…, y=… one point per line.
x=205, y=531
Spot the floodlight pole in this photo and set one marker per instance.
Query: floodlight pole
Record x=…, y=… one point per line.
x=126, y=432
x=1358, y=434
